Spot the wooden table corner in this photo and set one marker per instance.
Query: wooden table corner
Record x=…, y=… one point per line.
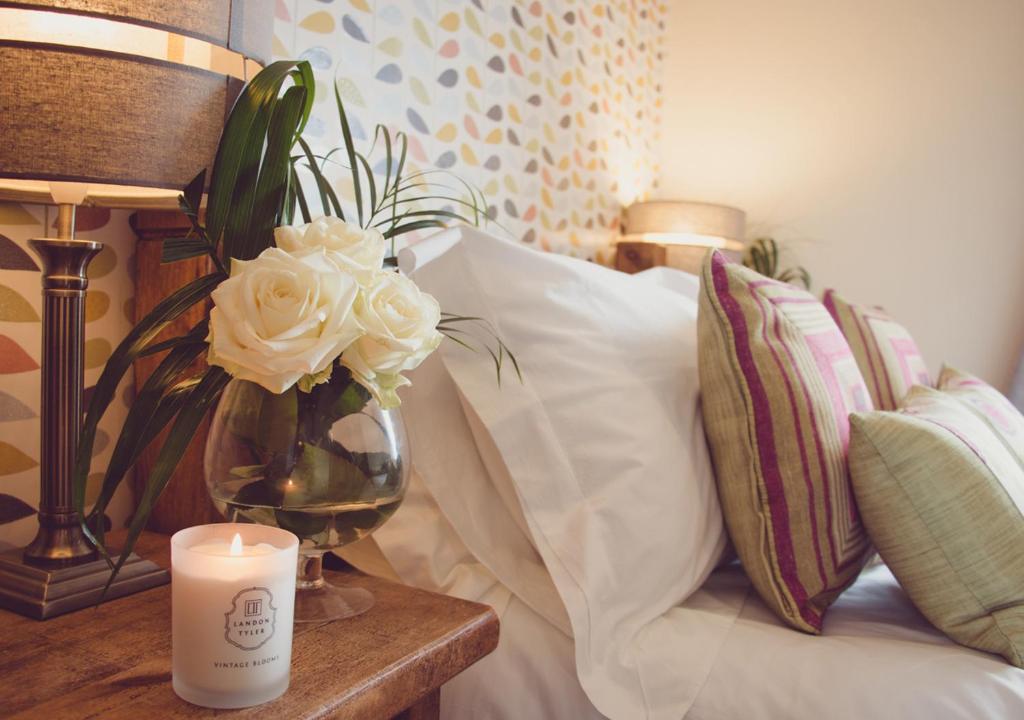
x=114, y=661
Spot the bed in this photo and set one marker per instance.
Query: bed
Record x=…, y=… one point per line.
x=878, y=657
x=481, y=521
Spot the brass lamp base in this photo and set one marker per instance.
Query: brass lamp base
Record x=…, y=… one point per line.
x=42, y=593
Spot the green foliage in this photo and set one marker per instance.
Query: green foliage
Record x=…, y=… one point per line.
x=246, y=200
x=402, y=203
x=255, y=186
x=399, y=203
x=763, y=257
x=453, y=327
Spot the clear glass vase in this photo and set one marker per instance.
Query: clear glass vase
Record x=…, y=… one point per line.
x=329, y=465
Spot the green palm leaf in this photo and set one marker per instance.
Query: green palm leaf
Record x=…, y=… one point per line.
x=194, y=406
x=762, y=256
x=269, y=192
x=350, y=150
x=166, y=311
x=237, y=156
x=148, y=414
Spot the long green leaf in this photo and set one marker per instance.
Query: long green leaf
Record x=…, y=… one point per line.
x=387, y=160
x=194, y=409
x=169, y=406
x=328, y=198
x=192, y=195
x=435, y=214
x=443, y=198
x=446, y=329
x=413, y=226
x=143, y=413
x=403, y=141
x=168, y=344
x=303, y=77
x=370, y=181
x=315, y=170
x=175, y=249
x=121, y=359
x=243, y=137
x=300, y=196
x=288, y=209
x=269, y=193
x=350, y=150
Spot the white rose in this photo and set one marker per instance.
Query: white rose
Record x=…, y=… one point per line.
x=359, y=250
x=400, y=324
x=282, y=316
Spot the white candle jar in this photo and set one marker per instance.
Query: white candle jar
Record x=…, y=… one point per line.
x=232, y=605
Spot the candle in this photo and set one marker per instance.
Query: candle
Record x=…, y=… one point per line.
x=232, y=603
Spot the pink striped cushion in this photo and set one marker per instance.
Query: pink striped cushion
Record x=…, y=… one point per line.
x=778, y=381
x=886, y=353
x=988, y=403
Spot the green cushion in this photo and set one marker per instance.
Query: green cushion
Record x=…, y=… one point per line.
x=942, y=498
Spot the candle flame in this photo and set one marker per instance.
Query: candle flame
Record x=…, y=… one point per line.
x=236, y=545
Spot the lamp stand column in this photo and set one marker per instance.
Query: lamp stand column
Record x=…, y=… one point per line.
x=58, y=571
x=60, y=540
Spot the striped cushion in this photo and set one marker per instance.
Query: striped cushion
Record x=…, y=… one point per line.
x=989, y=404
x=778, y=382
x=886, y=354
x=943, y=499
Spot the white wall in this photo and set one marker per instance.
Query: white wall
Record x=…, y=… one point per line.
x=882, y=139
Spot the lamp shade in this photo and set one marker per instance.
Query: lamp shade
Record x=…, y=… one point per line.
x=129, y=97
x=677, y=222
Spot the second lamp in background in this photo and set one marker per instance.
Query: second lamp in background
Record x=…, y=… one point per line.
x=678, y=233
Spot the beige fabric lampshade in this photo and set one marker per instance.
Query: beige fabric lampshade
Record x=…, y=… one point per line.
x=127, y=96
x=685, y=223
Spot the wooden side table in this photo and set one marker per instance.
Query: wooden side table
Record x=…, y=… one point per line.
x=115, y=661
x=633, y=257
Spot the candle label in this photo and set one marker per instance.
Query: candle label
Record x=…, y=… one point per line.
x=249, y=624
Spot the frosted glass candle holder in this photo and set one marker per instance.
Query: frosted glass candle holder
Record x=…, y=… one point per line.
x=232, y=606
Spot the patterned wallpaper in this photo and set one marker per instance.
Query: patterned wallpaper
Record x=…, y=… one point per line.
x=552, y=108
x=107, y=315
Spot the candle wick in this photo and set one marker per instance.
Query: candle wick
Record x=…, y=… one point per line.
x=236, y=545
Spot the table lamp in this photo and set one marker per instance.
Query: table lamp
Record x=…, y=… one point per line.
x=111, y=104
x=677, y=233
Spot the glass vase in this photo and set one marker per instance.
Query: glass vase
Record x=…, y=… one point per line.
x=329, y=465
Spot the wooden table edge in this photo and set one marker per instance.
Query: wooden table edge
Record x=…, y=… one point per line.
x=413, y=697
x=485, y=628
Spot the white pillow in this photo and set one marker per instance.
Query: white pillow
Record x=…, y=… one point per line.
x=603, y=444
x=450, y=464
x=680, y=281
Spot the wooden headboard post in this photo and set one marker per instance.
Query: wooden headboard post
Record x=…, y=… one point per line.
x=185, y=501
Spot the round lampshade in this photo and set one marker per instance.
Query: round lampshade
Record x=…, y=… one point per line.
x=685, y=223
x=129, y=97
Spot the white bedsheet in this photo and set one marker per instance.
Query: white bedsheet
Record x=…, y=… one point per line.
x=877, y=659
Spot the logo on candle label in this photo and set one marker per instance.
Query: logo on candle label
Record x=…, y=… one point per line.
x=250, y=621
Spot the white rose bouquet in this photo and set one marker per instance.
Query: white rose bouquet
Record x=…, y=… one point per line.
x=309, y=310
x=322, y=297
